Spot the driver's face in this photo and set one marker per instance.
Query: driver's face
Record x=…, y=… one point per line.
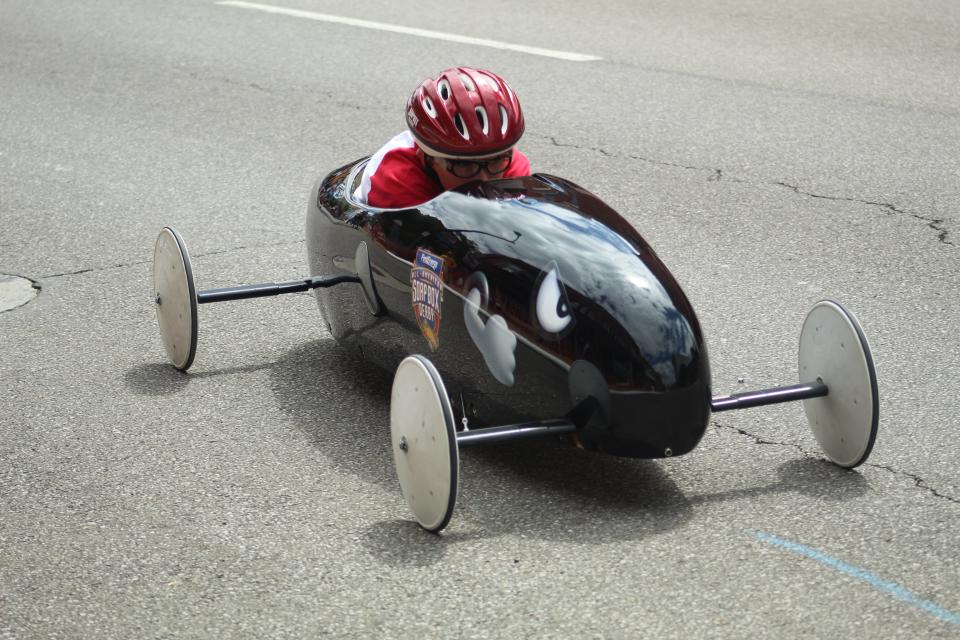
x=451, y=181
x=447, y=170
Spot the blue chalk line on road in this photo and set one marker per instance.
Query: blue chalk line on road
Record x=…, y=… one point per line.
x=886, y=586
x=411, y=31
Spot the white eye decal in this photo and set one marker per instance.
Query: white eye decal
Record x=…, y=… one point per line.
x=553, y=308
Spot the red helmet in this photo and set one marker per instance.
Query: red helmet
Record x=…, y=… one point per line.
x=465, y=112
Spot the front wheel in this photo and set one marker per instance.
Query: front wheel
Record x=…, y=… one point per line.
x=834, y=350
x=424, y=437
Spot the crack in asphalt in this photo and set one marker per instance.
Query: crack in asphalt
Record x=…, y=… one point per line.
x=717, y=175
x=759, y=440
x=78, y=272
x=284, y=243
x=845, y=99
x=934, y=223
x=124, y=265
x=330, y=96
x=919, y=482
x=196, y=75
x=714, y=174
x=338, y=102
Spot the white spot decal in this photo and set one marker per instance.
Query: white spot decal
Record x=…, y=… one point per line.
x=494, y=339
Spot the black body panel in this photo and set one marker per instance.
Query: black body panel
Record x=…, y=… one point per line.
x=603, y=333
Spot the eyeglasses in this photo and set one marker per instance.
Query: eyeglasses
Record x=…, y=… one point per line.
x=470, y=168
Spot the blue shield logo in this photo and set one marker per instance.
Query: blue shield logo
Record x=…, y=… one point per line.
x=426, y=292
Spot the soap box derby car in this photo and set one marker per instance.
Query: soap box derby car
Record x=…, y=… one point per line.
x=522, y=308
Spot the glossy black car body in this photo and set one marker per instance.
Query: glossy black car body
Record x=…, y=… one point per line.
x=602, y=333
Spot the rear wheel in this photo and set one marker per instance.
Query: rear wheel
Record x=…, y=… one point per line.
x=175, y=297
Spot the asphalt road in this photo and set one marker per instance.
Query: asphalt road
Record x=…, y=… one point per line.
x=773, y=153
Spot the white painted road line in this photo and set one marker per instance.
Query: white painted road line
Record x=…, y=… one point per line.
x=423, y=33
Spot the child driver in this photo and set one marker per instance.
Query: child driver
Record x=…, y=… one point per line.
x=463, y=125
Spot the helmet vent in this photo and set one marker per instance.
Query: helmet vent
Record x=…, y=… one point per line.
x=461, y=127
x=467, y=83
x=482, y=117
x=428, y=107
x=503, y=119
x=444, y=88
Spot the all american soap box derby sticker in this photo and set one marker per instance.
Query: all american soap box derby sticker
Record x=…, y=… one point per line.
x=426, y=290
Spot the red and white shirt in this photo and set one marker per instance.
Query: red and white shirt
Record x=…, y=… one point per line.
x=394, y=178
